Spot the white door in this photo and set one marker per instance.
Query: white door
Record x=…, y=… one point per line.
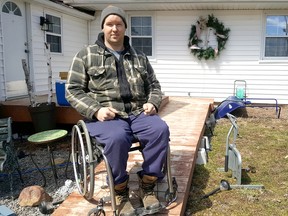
x=15, y=46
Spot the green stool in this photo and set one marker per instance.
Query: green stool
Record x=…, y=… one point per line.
x=47, y=138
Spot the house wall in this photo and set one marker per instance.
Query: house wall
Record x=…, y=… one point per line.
x=74, y=37
x=181, y=74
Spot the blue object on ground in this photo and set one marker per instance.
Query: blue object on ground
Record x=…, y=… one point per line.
x=5, y=211
x=228, y=105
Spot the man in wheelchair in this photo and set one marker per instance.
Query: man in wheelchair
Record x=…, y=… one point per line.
x=115, y=88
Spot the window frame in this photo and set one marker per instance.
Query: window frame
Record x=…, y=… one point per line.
x=143, y=14
x=50, y=33
x=264, y=36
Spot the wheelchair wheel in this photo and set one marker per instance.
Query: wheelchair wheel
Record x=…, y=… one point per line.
x=82, y=158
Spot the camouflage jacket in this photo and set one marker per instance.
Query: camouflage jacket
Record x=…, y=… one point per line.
x=93, y=81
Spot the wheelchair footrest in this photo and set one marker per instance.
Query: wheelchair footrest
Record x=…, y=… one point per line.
x=142, y=211
x=138, y=212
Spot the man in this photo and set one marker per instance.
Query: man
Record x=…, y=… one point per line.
x=115, y=88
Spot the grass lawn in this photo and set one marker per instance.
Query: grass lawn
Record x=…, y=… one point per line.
x=263, y=144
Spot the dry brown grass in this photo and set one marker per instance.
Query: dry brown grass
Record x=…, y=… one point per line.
x=263, y=144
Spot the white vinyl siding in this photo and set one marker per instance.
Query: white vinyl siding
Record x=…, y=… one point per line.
x=181, y=74
x=74, y=37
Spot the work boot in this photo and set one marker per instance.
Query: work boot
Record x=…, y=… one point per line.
x=124, y=206
x=149, y=199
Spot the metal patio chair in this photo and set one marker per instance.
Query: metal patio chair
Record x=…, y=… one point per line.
x=8, y=157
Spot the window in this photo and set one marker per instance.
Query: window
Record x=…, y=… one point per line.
x=276, y=36
x=141, y=33
x=53, y=35
x=11, y=7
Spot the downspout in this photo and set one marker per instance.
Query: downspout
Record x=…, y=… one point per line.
x=3, y=81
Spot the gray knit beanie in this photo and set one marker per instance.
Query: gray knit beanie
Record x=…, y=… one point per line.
x=113, y=10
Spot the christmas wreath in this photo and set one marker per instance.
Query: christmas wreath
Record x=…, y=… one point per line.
x=201, y=40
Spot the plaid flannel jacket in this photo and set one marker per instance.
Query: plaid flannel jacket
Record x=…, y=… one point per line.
x=92, y=80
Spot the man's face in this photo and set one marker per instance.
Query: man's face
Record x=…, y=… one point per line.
x=114, y=31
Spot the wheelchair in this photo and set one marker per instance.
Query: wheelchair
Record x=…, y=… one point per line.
x=86, y=153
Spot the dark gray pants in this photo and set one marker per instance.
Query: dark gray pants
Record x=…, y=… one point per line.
x=116, y=135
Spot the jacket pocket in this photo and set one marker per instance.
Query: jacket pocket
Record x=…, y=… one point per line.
x=101, y=80
x=96, y=71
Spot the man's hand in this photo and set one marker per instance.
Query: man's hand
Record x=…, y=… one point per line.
x=106, y=113
x=149, y=109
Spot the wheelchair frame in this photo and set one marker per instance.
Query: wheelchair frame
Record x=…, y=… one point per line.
x=86, y=154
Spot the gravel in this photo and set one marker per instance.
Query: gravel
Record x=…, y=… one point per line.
x=31, y=176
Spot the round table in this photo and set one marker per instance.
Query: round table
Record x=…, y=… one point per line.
x=47, y=138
